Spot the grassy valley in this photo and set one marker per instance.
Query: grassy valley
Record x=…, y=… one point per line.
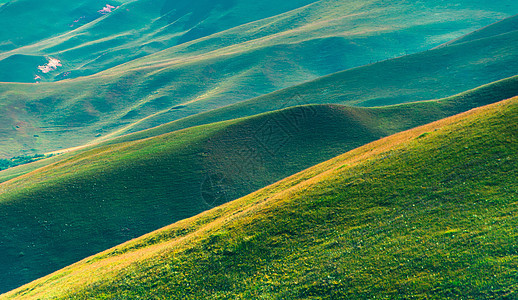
x=404, y=216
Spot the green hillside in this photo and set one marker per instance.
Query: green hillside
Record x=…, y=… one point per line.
x=76, y=122
x=227, y=67
x=119, y=118
x=501, y=27
x=411, y=115
x=427, y=75
x=88, y=39
x=98, y=198
x=420, y=114
x=427, y=213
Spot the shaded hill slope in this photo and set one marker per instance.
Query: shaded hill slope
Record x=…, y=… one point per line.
x=405, y=216
x=47, y=117
x=112, y=193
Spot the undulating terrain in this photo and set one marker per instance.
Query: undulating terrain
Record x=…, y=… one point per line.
x=429, y=212
x=107, y=195
x=297, y=43
x=236, y=149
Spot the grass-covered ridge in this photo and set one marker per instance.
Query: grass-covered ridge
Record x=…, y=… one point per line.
x=427, y=213
x=413, y=113
x=95, y=199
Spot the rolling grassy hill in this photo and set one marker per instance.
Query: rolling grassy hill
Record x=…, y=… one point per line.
x=427, y=75
x=501, y=27
x=420, y=114
x=220, y=69
x=89, y=39
x=426, y=213
x=98, y=198
x=413, y=114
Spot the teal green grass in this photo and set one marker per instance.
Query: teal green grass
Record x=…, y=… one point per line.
x=501, y=27
x=110, y=106
x=140, y=28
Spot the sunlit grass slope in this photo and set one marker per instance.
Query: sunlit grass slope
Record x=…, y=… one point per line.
x=230, y=66
x=96, y=199
x=427, y=213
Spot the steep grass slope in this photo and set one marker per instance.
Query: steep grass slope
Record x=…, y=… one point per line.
x=96, y=199
x=220, y=69
x=427, y=213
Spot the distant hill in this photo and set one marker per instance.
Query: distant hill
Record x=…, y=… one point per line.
x=98, y=198
x=90, y=36
x=54, y=118
x=427, y=75
x=426, y=213
x=501, y=27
